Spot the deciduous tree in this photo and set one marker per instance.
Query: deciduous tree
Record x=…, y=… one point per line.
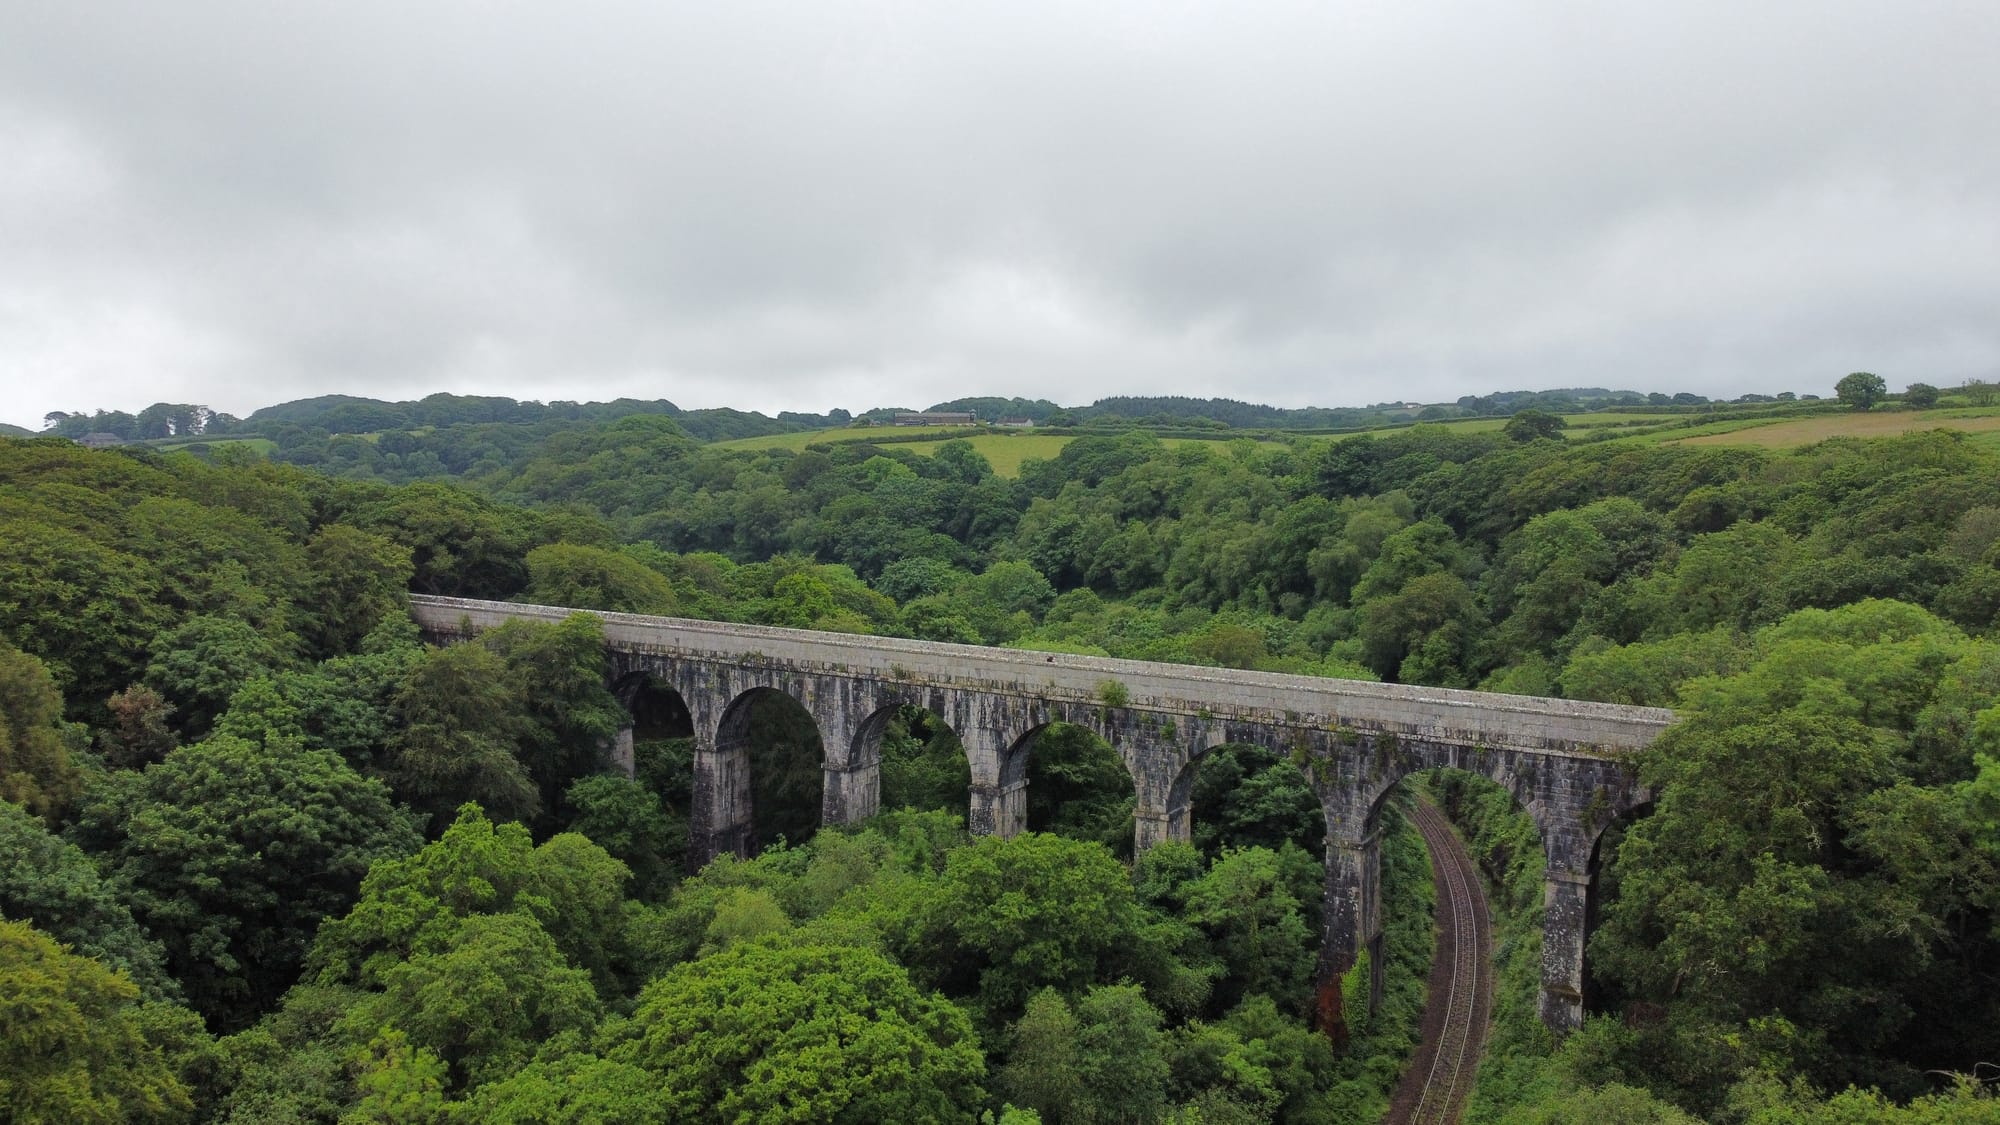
x=1860, y=389
x=803, y=1033
x=35, y=767
x=233, y=852
x=479, y=993
x=569, y=886
x=1011, y=917
x=460, y=723
x=73, y=1046
x=358, y=579
x=1792, y=867
x=51, y=883
x=201, y=663
x=582, y=577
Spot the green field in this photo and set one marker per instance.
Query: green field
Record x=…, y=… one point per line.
x=263, y=447
x=1787, y=434
x=1219, y=439
x=1670, y=431
x=1008, y=450
x=1005, y=452
x=798, y=441
x=1461, y=425
x=1612, y=418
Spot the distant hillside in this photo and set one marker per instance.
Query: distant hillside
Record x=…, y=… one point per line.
x=720, y=423
x=1569, y=399
x=346, y=414
x=994, y=409
x=1181, y=411
x=1177, y=411
x=317, y=418
x=1226, y=411
x=15, y=431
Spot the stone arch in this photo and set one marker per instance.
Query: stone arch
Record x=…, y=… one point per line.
x=866, y=752
x=654, y=703
x=1570, y=800
x=1639, y=809
x=1502, y=770
x=1487, y=778
x=1012, y=768
x=728, y=783
x=1176, y=803
x=1355, y=774
x=655, y=709
x=1381, y=770
x=1011, y=782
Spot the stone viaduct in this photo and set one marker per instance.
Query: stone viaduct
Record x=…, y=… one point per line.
x=1564, y=760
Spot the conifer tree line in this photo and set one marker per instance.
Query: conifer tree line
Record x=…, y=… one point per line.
x=269, y=857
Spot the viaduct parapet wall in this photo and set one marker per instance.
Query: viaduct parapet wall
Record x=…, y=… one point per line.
x=1565, y=761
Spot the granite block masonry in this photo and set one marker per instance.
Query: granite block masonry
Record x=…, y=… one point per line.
x=1566, y=762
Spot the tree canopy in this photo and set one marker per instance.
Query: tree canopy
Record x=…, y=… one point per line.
x=1861, y=389
x=222, y=744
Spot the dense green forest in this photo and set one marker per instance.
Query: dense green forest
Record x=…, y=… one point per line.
x=270, y=858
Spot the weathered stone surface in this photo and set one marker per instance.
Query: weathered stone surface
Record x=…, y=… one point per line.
x=1563, y=760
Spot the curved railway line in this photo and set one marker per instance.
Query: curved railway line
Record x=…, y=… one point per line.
x=1433, y=1091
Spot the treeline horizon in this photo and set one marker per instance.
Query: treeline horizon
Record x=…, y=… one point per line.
x=351, y=414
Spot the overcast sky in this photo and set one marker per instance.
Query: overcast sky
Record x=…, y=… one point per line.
x=809, y=205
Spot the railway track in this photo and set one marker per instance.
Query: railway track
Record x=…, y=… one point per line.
x=1434, y=1089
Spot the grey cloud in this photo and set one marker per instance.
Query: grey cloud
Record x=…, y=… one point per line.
x=783, y=206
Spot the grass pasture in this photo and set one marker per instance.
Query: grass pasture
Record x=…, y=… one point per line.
x=1005, y=452
x=1597, y=422
x=797, y=442
x=1613, y=418
x=1460, y=425
x=263, y=447
x=1467, y=425
x=1661, y=434
x=1805, y=431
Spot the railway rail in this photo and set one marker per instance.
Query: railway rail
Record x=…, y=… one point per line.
x=1435, y=1088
